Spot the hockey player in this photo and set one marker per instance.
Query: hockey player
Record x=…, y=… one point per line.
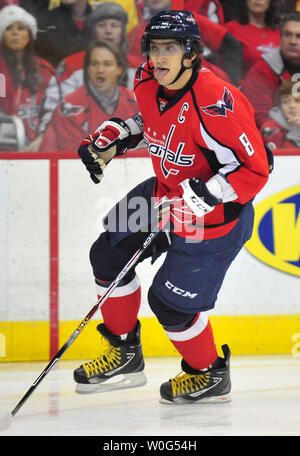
x=207, y=152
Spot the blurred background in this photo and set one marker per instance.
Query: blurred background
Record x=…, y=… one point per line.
x=50, y=212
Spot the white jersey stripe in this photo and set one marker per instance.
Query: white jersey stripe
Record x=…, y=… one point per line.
x=124, y=290
x=223, y=153
x=198, y=326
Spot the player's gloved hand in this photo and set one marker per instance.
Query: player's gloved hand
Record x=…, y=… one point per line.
x=113, y=133
x=110, y=139
x=92, y=161
x=198, y=197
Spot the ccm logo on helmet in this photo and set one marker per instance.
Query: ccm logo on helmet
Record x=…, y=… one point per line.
x=180, y=291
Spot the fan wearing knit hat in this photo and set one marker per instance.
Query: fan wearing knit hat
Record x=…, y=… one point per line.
x=108, y=21
x=26, y=75
x=13, y=13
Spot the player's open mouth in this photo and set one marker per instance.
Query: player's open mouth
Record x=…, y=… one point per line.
x=160, y=73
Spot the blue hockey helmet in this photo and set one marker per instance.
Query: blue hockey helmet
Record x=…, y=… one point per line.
x=174, y=24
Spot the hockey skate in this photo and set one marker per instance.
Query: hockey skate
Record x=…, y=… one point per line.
x=120, y=366
x=209, y=385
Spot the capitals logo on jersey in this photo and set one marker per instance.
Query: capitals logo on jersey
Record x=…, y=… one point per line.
x=222, y=106
x=67, y=109
x=162, y=149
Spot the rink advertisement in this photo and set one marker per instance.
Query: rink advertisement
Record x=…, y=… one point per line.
x=276, y=233
x=260, y=294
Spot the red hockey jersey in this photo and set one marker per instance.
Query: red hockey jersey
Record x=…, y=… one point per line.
x=278, y=137
x=210, y=8
x=208, y=127
x=35, y=109
x=70, y=69
x=79, y=115
x=262, y=83
x=262, y=40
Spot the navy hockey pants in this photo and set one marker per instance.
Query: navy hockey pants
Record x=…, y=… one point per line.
x=192, y=273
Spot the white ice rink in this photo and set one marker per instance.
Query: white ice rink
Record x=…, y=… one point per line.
x=265, y=402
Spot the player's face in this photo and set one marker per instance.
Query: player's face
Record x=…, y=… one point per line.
x=103, y=71
x=109, y=30
x=166, y=56
x=290, y=41
x=16, y=36
x=258, y=6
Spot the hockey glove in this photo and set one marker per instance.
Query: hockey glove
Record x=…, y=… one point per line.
x=107, y=141
x=112, y=138
x=112, y=134
x=92, y=161
x=197, y=196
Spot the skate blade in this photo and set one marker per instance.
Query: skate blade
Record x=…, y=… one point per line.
x=119, y=382
x=206, y=400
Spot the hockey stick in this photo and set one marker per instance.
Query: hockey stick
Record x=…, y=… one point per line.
x=163, y=217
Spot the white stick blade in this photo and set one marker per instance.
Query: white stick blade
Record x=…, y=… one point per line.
x=6, y=421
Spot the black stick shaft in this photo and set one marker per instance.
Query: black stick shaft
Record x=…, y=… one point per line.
x=131, y=263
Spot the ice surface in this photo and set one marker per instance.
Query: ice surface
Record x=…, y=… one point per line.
x=265, y=402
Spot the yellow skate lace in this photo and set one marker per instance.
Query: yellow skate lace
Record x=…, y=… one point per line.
x=185, y=383
x=109, y=360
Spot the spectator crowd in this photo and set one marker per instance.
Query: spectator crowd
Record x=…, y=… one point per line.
x=68, y=65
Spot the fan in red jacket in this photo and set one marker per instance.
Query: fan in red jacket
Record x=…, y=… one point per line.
x=256, y=28
x=26, y=76
x=210, y=8
x=282, y=128
x=107, y=22
x=264, y=78
x=95, y=101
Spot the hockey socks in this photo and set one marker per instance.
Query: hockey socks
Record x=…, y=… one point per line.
x=196, y=343
x=121, y=309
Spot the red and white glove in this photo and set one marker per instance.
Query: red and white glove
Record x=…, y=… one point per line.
x=97, y=149
x=112, y=138
x=110, y=134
